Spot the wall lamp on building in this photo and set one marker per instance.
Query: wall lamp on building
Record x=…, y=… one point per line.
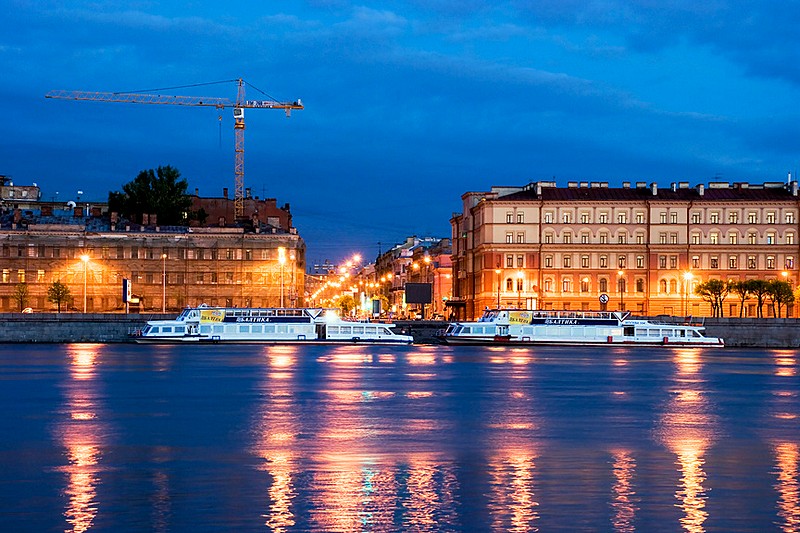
x=687, y=281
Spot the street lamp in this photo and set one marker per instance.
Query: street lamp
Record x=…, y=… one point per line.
x=621, y=288
x=687, y=279
x=85, y=259
x=163, y=283
x=497, y=271
x=520, y=275
x=282, y=261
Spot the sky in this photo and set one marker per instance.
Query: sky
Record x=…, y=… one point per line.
x=408, y=105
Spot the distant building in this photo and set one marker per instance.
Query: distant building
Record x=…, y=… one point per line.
x=639, y=248
x=228, y=263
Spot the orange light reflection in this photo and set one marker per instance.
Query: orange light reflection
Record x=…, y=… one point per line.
x=786, y=462
x=623, y=504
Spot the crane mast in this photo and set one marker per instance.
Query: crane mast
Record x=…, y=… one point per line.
x=238, y=106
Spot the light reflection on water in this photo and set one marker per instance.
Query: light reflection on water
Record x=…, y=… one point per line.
x=361, y=438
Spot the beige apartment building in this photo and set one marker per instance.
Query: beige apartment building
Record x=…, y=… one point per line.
x=640, y=248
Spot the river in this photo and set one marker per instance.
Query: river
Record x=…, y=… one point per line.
x=126, y=437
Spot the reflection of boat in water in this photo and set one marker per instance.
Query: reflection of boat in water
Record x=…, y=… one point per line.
x=516, y=326
x=266, y=325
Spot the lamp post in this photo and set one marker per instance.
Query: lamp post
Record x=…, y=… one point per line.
x=497, y=271
x=687, y=281
x=282, y=261
x=520, y=275
x=85, y=259
x=621, y=288
x=163, y=283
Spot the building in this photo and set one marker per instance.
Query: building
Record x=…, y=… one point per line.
x=639, y=248
x=258, y=263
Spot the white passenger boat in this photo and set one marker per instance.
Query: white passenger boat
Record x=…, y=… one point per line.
x=267, y=326
x=514, y=326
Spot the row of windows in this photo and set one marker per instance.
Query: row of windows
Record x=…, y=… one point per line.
x=663, y=261
x=179, y=278
x=664, y=217
x=135, y=252
x=714, y=237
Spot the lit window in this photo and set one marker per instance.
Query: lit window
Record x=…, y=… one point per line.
x=520, y=218
x=673, y=218
x=771, y=217
x=770, y=262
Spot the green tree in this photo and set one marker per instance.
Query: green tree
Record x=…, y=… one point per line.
x=346, y=303
x=162, y=192
x=739, y=288
x=21, y=295
x=713, y=291
x=58, y=293
x=760, y=289
x=780, y=292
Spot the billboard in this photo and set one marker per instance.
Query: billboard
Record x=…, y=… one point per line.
x=419, y=293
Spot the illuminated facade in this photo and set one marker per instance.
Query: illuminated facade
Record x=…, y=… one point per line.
x=170, y=267
x=639, y=248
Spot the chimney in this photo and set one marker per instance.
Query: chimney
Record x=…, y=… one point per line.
x=538, y=189
x=794, y=188
x=154, y=219
x=225, y=192
x=701, y=189
x=674, y=186
x=247, y=192
x=654, y=188
x=196, y=191
x=626, y=184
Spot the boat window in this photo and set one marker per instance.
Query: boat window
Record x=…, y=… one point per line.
x=205, y=330
x=345, y=330
x=652, y=333
x=218, y=329
x=333, y=330
x=269, y=328
x=180, y=329
x=358, y=329
x=256, y=329
x=668, y=333
x=166, y=329
x=154, y=329
x=244, y=329
x=628, y=331
x=384, y=331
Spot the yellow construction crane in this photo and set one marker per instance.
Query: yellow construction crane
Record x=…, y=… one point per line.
x=239, y=105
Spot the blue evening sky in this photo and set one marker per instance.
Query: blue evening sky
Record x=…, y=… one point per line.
x=408, y=104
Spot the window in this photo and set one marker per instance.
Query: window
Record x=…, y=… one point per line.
x=771, y=238
x=663, y=286
x=566, y=286
x=695, y=238
x=520, y=218
x=548, y=238
x=640, y=238
x=20, y=276
x=510, y=261
x=567, y=237
x=714, y=218
x=548, y=261
x=584, y=218
x=789, y=263
x=40, y=276
x=714, y=262
x=752, y=218
x=732, y=262
x=789, y=218
x=228, y=253
x=6, y=275
x=584, y=261
x=662, y=218
x=621, y=261
x=56, y=252
x=200, y=253
x=604, y=218
x=584, y=285
x=520, y=261
x=622, y=238
x=519, y=284
x=673, y=218
x=695, y=261
x=548, y=285
x=603, y=261
x=790, y=238
x=673, y=261
x=673, y=238
x=733, y=237
x=662, y=261
x=200, y=278
x=548, y=218
x=695, y=218
x=567, y=261
x=714, y=237
x=510, y=217
x=622, y=218
x=509, y=238
x=733, y=218
x=120, y=252
x=134, y=252
x=640, y=285
x=662, y=238
x=771, y=217
x=520, y=237
x=509, y=284
x=603, y=285
x=640, y=218
x=752, y=238
x=603, y=238
x=639, y=261
x=567, y=218
x=148, y=278
x=584, y=238
x=770, y=262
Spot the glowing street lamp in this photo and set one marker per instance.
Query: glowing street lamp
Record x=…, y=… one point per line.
x=497, y=271
x=85, y=259
x=621, y=288
x=163, y=283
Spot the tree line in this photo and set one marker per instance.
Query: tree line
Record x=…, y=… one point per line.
x=775, y=293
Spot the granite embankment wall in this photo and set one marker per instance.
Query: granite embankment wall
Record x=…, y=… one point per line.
x=77, y=327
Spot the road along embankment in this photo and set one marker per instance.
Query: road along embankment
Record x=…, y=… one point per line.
x=114, y=327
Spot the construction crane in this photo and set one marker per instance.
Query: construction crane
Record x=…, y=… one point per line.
x=239, y=105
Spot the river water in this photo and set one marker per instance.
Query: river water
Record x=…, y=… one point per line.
x=423, y=438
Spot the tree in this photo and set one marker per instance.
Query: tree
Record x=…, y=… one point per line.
x=346, y=303
x=161, y=192
x=713, y=291
x=780, y=292
x=58, y=293
x=739, y=288
x=760, y=289
x=21, y=295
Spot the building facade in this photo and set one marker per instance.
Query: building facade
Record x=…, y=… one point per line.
x=637, y=248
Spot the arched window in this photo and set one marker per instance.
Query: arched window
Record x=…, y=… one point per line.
x=673, y=286
x=566, y=286
x=519, y=284
x=663, y=285
x=509, y=284
x=603, y=285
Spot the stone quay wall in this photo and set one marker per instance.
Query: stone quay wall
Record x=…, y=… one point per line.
x=114, y=327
